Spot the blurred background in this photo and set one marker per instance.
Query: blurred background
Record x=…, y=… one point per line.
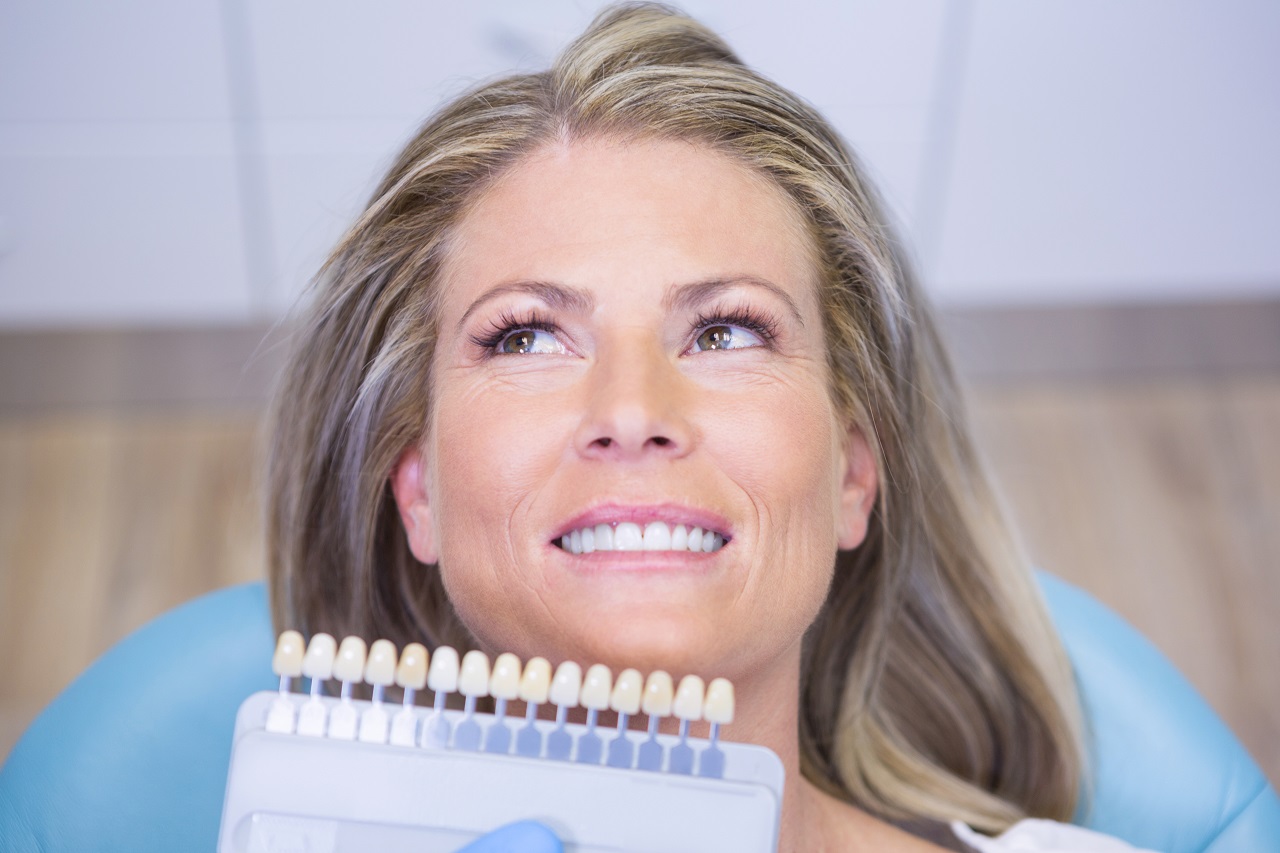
x=1089, y=187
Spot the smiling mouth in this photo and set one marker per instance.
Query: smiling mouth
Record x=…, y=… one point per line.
x=630, y=536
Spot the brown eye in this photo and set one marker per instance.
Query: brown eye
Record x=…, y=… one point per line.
x=716, y=337
x=524, y=341
x=725, y=336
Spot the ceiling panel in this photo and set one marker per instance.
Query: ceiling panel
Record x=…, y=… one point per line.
x=1116, y=151
x=62, y=60
x=341, y=87
x=124, y=223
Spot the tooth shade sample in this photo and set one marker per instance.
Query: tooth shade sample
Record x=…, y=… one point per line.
x=627, y=537
x=596, y=687
x=719, y=705
x=657, y=537
x=287, y=661
x=688, y=704
x=474, y=680
x=536, y=681
x=349, y=665
x=679, y=538
x=567, y=684
x=626, y=692
x=380, y=668
x=588, y=540
x=504, y=683
x=412, y=671
x=318, y=662
x=443, y=676
x=695, y=539
x=658, y=693
x=604, y=537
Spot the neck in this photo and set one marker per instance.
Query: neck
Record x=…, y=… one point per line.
x=811, y=821
x=768, y=714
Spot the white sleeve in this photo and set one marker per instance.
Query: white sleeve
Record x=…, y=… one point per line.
x=1043, y=836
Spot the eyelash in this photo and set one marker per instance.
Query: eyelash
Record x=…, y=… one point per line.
x=759, y=323
x=505, y=324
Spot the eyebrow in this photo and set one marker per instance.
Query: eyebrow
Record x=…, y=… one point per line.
x=686, y=297
x=557, y=296
x=679, y=297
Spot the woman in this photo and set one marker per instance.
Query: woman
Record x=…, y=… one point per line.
x=649, y=287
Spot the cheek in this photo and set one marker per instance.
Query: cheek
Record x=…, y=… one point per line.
x=786, y=460
x=494, y=454
x=505, y=447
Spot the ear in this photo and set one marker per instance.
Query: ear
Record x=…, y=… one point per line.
x=409, y=485
x=859, y=485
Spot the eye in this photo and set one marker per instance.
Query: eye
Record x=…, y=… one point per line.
x=726, y=336
x=522, y=341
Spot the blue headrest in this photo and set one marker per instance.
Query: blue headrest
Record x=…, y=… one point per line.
x=133, y=755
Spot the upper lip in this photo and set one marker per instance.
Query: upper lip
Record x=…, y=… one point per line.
x=671, y=513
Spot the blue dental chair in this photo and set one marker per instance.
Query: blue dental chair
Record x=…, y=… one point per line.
x=133, y=755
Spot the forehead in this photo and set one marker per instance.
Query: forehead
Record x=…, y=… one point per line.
x=640, y=213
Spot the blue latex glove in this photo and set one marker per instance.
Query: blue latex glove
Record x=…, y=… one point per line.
x=526, y=836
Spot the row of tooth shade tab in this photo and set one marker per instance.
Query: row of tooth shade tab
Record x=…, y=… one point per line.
x=506, y=679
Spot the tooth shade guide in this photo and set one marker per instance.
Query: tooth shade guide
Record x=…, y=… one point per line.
x=363, y=783
x=595, y=691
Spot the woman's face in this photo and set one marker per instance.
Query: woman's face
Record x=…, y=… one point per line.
x=630, y=342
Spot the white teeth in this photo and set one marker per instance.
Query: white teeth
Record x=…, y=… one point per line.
x=567, y=685
x=504, y=681
x=689, y=698
x=318, y=662
x=474, y=678
x=629, y=536
x=349, y=664
x=657, y=536
x=443, y=675
x=596, y=687
x=380, y=667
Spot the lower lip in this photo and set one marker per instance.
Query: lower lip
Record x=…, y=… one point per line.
x=640, y=561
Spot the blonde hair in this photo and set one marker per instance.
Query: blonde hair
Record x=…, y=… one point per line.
x=934, y=686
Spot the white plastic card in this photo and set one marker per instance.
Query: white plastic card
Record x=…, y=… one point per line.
x=290, y=791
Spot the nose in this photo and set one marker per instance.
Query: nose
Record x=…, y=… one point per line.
x=636, y=407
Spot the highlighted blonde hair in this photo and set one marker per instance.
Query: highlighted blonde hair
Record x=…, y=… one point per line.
x=934, y=686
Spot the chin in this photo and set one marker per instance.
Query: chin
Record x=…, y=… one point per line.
x=678, y=642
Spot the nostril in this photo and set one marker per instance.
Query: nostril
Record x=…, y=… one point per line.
x=661, y=440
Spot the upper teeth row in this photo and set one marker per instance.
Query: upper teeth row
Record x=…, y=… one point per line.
x=628, y=536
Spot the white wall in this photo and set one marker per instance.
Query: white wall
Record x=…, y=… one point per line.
x=166, y=162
